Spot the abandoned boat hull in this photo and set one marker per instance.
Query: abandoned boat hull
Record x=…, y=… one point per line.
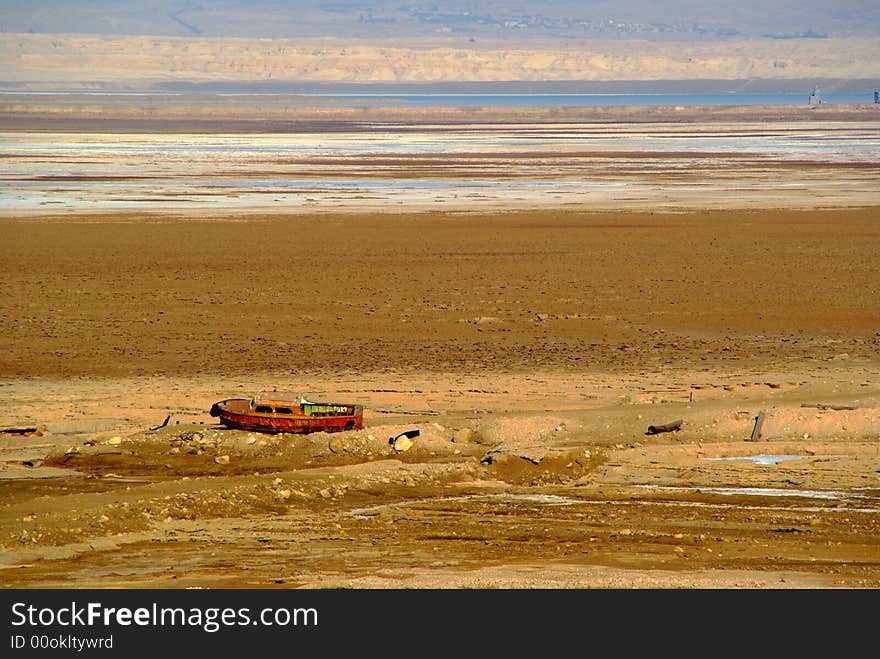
x=276, y=417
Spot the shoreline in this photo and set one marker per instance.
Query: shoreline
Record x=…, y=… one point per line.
x=467, y=163
x=190, y=113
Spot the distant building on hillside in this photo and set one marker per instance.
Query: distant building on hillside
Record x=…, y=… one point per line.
x=816, y=96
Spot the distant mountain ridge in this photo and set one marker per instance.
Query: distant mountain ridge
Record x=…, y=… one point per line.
x=512, y=20
x=138, y=62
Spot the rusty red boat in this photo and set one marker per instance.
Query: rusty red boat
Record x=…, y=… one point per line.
x=276, y=412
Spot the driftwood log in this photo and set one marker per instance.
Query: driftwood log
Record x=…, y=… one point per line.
x=24, y=432
x=822, y=406
x=666, y=427
x=756, y=431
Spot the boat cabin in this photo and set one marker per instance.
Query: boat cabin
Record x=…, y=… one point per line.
x=295, y=404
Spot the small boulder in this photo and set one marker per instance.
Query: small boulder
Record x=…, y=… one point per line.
x=403, y=443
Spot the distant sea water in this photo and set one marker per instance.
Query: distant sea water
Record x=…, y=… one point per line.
x=592, y=100
x=499, y=100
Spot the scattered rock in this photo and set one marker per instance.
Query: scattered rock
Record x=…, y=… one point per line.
x=402, y=444
x=336, y=445
x=222, y=459
x=115, y=441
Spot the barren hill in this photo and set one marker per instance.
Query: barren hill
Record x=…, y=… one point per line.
x=72, y=61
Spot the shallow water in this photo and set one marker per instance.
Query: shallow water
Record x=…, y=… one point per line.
x=838, y=495
x=762, y=459
x=434, y=100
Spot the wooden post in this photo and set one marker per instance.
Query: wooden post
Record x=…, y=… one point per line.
x=163, y=424
x=756, y=431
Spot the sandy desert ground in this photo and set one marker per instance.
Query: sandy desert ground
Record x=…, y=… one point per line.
x=531, y=347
